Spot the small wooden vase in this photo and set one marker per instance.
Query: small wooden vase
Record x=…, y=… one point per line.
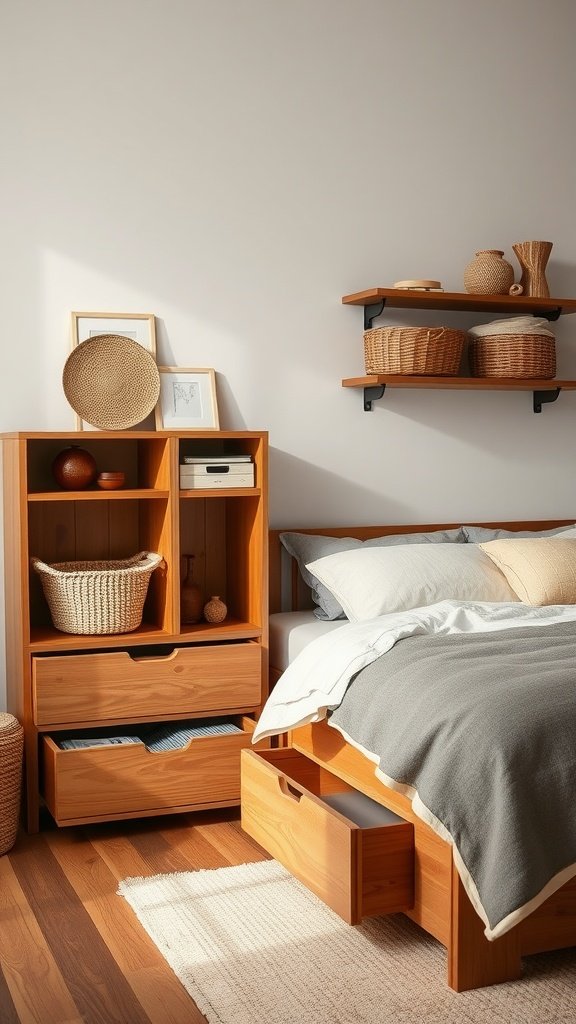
x=190, y=595
x=215, y=610
x=533, y=257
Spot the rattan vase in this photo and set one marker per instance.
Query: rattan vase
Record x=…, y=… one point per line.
x=533, y=258
x=11, y=756
x=489, y=273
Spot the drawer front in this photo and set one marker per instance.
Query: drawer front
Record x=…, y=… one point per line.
x=105, y=687
x=100, y=783
x=356, y=871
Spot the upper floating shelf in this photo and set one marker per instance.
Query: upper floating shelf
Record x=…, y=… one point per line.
x=461, y=301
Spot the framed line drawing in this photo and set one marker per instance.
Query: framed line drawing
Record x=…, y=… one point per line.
x=187, y=399
x=139, y=327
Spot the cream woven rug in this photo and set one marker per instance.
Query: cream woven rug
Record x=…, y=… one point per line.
x=253, y=946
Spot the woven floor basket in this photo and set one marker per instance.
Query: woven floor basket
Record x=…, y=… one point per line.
x=513, y=355
x=428, y=351
x=11, y=753
x=97, y=597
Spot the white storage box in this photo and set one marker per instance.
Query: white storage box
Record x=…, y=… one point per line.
x=197, y=474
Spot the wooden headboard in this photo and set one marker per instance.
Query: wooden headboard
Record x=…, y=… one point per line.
x=288, y=592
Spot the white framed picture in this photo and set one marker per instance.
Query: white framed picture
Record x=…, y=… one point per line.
x=187, y=399
x=140, y=327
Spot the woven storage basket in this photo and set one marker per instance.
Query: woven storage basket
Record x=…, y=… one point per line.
x=427, y=351
x=513, y=355
x=97, y=597
x=11, y=752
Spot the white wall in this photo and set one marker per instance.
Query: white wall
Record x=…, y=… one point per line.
x=236, y=166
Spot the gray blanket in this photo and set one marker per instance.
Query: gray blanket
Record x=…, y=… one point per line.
x=483, y=726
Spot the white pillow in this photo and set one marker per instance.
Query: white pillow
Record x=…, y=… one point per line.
x=373, y=581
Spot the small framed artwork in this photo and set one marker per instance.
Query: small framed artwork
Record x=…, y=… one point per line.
x=140, y=327
x=187, y=399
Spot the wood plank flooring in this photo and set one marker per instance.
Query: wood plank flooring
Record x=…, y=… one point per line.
x=71, y=950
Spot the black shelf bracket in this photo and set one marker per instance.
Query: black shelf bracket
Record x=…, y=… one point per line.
x=371, y=312
x=548, y=314
x=540, y=398
x=372, y=394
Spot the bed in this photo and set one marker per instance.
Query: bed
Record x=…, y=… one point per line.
x=442, y=902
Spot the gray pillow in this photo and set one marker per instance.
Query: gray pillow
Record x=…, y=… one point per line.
x=478, y=534
x=307, y=547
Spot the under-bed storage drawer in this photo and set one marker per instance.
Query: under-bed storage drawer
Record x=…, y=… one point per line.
x=116, y=685
x=122, y=781
x=356, y=855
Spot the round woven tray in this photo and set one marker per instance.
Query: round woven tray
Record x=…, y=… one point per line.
x=11, y=753
x=513, y=355
x=111, y=381
x=429, y=351
x=97, y=597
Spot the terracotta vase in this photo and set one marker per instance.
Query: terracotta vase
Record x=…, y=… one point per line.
x=489, y=273
x=74, y=468
x=215, y=610
x=190, y=595
x=533, y=257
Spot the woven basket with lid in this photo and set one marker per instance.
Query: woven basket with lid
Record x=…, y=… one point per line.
x=427, y=351
x=11, y=755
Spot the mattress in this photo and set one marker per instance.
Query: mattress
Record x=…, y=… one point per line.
x=290, y=632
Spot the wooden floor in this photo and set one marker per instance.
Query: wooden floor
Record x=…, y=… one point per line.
x=71, y=950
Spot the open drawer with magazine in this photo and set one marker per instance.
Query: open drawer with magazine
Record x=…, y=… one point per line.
x=356, y=855
x=132, y=779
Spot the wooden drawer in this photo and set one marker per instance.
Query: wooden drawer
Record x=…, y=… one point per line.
x=103, y=783
x=356, y=855
x=97, y=688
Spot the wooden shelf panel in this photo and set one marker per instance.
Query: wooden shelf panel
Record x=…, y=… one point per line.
x=99, y=495
x=47, y=638
x=459, y=383
x=460, y=301
x=222, y=492
x=231, y=629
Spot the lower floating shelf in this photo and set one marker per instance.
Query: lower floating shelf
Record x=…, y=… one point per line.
x=374, y=386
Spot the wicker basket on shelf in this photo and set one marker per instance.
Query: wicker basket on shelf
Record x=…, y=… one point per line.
x=11, y=754
x=513, y=355
x=425, y=351
x=97, y=597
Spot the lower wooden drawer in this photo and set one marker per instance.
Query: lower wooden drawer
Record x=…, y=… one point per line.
x=128, y=781
x=356, y=855
x=74, y=688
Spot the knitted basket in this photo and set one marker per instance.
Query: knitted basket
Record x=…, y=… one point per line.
x=428, y=351
x=513, y=355
x=11, y=752
x=97, y=597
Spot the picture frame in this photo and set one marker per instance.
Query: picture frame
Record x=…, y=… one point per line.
x=187, y=399
x=141, y=327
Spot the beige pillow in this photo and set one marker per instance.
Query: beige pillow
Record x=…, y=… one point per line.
x=540, y=571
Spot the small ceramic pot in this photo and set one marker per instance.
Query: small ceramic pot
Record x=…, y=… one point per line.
x=111, y=481
x=215, y=610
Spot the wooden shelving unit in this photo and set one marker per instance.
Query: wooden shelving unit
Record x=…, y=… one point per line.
x=165, y=670
x=375, y=300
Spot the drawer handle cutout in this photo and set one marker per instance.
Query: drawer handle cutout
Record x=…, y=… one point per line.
x=289, y=791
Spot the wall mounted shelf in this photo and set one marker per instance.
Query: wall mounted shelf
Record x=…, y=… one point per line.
x=374, y=300
x=374, y=386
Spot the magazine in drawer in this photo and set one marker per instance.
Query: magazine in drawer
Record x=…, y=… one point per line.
x=104, y=782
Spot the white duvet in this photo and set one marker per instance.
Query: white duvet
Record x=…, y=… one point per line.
x=318, y=677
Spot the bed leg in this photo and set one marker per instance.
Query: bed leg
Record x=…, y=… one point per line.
x=473, y=961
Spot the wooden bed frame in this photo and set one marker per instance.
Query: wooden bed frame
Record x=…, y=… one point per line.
x=441, y=905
